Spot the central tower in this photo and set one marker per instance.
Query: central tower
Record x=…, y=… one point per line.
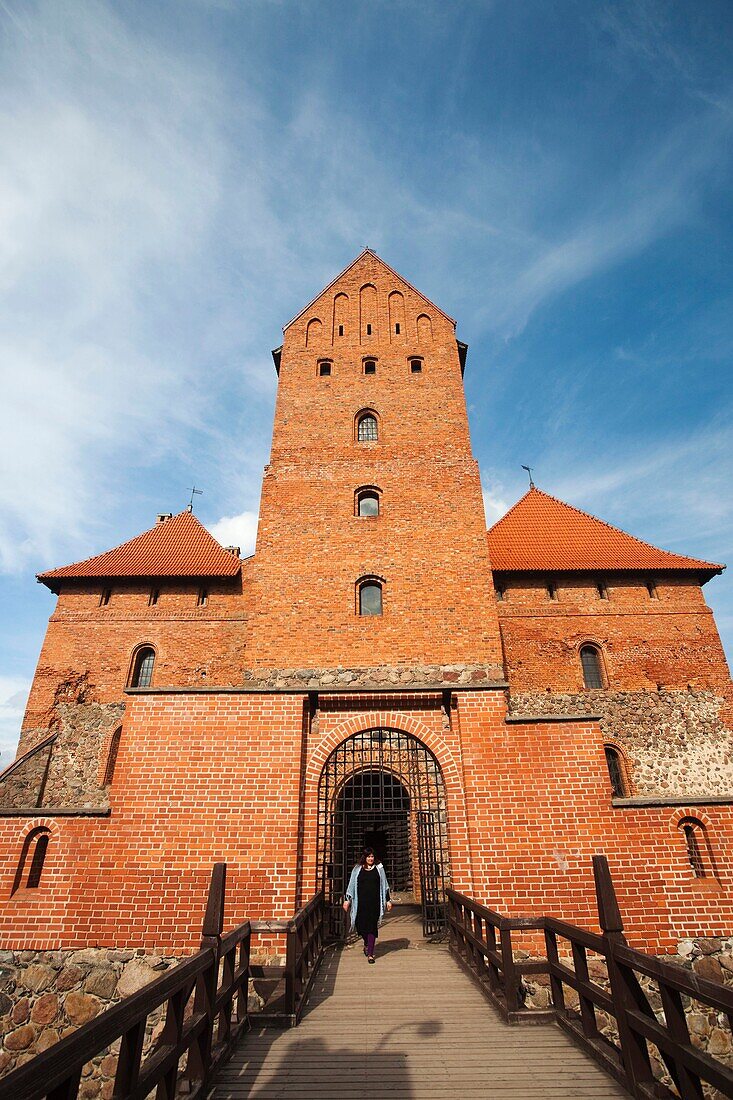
x=371, y=546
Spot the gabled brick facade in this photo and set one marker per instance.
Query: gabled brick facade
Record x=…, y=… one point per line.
x=264, y=668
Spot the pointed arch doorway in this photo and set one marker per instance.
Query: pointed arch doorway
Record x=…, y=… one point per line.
x=384, y=789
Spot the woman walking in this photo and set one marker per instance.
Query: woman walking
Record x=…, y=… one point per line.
x=367, y=896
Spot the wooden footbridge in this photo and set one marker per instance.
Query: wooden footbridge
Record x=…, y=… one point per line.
x=415, y=1025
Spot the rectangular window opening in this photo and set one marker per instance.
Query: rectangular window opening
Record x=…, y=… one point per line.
x=369, y=330
x=602, y=590
x=370, y=367
x=105, y=597
x=341, y=330
x=153, y=597
x=415, y=366
x=552, y=590
x=397, y=328
x=203, y=597
x=324, y=370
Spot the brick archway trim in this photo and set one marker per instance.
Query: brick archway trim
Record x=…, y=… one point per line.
x=406, y=723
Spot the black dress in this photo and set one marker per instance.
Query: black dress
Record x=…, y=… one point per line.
x=368, y=907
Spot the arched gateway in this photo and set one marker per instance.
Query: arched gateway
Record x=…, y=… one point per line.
x=384, y=788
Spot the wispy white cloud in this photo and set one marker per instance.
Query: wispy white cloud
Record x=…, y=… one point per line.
x=495, y=506
x=13, y=697
x=238, y=531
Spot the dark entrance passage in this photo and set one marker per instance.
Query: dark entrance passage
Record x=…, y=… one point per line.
x=383, y=789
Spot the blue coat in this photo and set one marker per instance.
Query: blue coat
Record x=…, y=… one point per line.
x=352, y=892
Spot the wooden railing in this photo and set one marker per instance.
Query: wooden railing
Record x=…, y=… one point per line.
x=482, y=940
x=304, y=953
x=196, y=1037
x=618, y=992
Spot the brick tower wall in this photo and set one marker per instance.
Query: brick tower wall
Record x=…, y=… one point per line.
x=427, y=544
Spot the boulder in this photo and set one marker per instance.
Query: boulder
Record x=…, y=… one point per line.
x=134, y=977
x=36, y=977
x=708, y=967
x=48, y=1038
x=719, y=1043
x=80, y=1007
x=21, y=1038
x=21, y=1011
x=69, y=977
x=102, y=983
x=45, y=1010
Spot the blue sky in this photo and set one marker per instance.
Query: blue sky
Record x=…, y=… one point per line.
x=178, y=179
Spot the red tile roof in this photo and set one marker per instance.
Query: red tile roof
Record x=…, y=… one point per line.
x=542, y=534
x=177, y=547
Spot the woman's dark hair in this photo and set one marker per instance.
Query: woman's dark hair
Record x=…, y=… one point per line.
x=367, y=852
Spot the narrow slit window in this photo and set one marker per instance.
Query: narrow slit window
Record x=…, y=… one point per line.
x=367, y=428
x=142, y=669
x=693, y=832
x=39, y=858
x=369, y=330
x=114, y=748
x=500, y=593
x=341, y=330
x=202, y=597
x=397, y=328
x=552, y=589
x=615, y=772
x=590, y=660
x=370, y=366
x=105, y=597
x=652, y=588
x=602, y=590
x=153, y=597
x=370, y=598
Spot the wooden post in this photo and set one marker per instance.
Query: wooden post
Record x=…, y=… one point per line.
x=199, y=1056
x=214, y=917
x=634, y=1051
x=511, y=978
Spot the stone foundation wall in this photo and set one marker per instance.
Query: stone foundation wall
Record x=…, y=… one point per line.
x=73, y=778
x=47, y=995
x=377, y=676
x=709, y=1030
x=675, y=742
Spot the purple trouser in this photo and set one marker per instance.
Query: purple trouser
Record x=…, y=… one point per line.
x=369, y=941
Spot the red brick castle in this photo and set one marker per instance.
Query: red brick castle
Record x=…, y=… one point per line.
x=488, y=710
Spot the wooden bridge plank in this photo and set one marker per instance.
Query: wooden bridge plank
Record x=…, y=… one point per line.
x=414, y=1026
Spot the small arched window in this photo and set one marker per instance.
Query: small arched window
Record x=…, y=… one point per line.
x=370, y=366
x=366, y=428
x=370, y=596
x=367, y=502
x=32, y=859
x=615, y=771
x=590, y=660
x=142, y=667
x=695, y=841
x=324, y=368
x=415, y=365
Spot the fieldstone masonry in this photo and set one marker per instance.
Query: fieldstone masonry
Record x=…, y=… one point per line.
x=675, y=742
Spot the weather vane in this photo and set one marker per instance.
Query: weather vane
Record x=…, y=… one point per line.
x=194, y=493
x=529, y=471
